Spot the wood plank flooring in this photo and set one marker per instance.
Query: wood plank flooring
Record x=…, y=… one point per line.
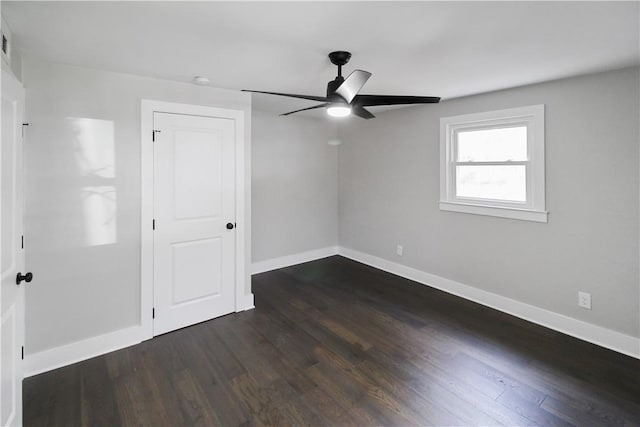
x=334, y=342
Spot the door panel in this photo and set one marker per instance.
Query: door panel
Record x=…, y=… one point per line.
x=198, y=170
x=194, y=199
x=191, y=263
x=9, y=232
x=12, y=259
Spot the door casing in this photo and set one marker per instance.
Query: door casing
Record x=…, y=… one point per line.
x=243, y=301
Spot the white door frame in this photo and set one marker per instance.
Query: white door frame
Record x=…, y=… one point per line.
x=147, y=190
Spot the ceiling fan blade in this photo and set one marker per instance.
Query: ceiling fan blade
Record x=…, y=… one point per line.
x=290, y=95
x=372, y=100
x=305, y=109
x=360, y=111
x=352, y=84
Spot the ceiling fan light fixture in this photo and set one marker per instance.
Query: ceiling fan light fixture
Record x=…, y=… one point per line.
x=339, y=110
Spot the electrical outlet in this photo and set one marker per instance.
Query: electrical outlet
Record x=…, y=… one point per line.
x=584, y=300
x=399, y=250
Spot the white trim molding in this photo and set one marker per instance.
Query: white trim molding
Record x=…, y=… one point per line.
x=525, y=214
x=242, y=219
x=288, y=260
x=531, y=118
x=245, y=303
x=613, y=340
x=57, y=357
x=95, y=346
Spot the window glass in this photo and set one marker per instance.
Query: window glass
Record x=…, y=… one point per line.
x=492, y=145
x=507, y=183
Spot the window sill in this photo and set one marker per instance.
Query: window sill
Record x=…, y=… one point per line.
x=522, y=214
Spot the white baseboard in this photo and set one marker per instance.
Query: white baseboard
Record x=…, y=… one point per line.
x=95, y=346
x=245, y=303
x=78, y=351
x=603, y=337
x=286, y=261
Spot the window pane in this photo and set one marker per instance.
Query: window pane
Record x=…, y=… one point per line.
x=506, y=183
x=488, y=145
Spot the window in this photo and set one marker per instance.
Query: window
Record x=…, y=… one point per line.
x=493, y=163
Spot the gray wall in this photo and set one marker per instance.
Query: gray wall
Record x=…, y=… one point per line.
x=87, y=274
x=389, y=192
x=380, y=189
x=294, y=185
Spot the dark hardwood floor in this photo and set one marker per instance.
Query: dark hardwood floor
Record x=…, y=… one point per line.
x=334, y=342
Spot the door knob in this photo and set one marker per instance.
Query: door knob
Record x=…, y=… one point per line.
x=230, y=226
x=27, y=278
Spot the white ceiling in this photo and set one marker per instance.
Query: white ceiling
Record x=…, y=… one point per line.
x=446, y=49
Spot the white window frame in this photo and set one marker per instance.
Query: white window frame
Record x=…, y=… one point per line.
x=533, y=209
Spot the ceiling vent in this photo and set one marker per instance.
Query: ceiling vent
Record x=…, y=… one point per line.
x=6, y=42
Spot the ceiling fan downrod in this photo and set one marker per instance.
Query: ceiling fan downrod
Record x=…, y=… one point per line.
x=339, y=58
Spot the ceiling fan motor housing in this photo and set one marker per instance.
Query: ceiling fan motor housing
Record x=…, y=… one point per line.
x=332, y=86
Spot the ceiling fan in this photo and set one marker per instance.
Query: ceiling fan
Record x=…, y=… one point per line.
x=342, y=94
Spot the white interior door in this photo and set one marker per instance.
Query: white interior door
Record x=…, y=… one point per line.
x=12, y=263
x=194, y=211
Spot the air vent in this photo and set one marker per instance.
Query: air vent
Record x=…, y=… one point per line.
x=5, y=32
